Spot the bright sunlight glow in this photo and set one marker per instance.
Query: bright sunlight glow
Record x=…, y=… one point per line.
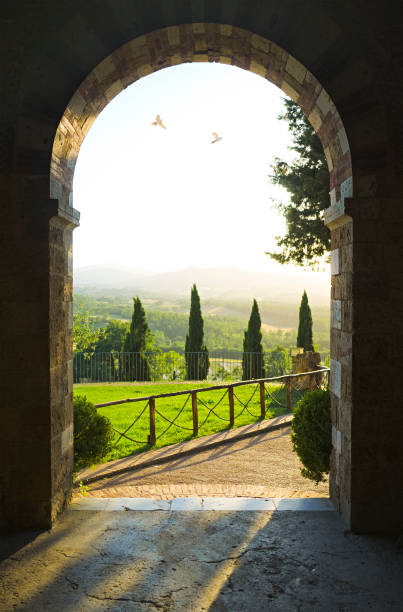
x=165, y=199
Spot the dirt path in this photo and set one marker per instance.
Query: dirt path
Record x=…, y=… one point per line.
x=261, y=466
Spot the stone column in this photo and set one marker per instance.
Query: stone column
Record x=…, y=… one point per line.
x=366, y=375
x=61, y=358
x=36, y=395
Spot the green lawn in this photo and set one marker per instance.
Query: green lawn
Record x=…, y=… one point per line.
x=123, y=415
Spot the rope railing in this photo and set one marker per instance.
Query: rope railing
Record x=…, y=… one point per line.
x=123, y=435
x=289, y=388
x=246, y=404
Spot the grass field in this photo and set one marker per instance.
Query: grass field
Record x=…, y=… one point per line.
x=123, y=415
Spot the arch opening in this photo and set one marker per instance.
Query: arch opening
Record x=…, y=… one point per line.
x=201, y=42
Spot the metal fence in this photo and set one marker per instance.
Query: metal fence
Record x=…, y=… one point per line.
x=263, y=398
x=158, y=366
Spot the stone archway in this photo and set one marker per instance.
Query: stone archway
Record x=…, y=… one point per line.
x=204, y=42
x=200, y=42
x=354, y=51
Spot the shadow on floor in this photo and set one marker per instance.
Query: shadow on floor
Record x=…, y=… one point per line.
x=200, y=561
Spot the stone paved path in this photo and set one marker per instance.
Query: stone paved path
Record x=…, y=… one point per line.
x=260, y=466
x=161, y=455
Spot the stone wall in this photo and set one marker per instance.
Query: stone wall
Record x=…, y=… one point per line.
x=36, y=395
x=367, y=336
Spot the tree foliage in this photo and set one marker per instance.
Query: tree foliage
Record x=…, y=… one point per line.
x=304, y=337
x=85, y=335
x=196, y=353
x=137, y=340
x=170, y=362
x=277, y=362
x=252, y=359
x=311, y=434
x=307, y=238
x=112, y=337
x=109, y=344
x=222, y=332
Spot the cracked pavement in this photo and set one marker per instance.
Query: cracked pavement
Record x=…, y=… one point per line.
x=215, y=560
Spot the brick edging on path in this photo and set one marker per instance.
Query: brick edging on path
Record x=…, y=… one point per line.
x=181, y=449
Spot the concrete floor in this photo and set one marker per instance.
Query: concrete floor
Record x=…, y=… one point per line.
x=199, y=561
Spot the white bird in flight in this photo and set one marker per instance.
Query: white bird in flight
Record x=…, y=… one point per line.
x=216, y=138
x=158, y=121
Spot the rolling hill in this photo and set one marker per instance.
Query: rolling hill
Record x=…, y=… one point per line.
x=223, y=284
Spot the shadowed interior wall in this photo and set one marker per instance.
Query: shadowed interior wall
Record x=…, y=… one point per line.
x=62, y=63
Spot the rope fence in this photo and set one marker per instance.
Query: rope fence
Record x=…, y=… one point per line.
x=281, y=393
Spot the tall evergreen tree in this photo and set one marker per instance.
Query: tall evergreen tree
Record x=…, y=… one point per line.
x=307, y=238
x=196, y=353
x=253, y=358
x=135, y=364
x=304, y=338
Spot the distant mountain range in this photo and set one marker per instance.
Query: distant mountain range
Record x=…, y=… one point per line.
x=223, y=283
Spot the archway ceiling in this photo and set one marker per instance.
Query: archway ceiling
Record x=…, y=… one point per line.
x=351, y=48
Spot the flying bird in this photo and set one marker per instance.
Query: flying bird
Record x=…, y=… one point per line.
x=216, y=138
x=158, y=121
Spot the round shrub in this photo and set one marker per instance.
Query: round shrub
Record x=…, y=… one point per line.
x=93, y=433
x=311, y=434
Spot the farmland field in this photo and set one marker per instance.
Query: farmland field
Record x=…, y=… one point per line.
x=123, y=415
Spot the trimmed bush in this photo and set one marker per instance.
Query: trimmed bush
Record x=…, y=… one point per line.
x=311, y=434
x=93, y=433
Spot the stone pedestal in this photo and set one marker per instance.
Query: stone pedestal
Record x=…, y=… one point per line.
x=366, y=338
x=308, y=361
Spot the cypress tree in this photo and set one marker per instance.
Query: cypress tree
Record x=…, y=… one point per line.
x=304, y=338
x=252, y=359
x=136, y=366
x=196, y=353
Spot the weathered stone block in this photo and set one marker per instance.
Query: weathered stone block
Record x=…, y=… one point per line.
x=295, y=69
x=334, y=262
x=347, y=315
x=335, y=377
x=342, y=287
x=335, y=314
x=324, y=103
x=346, y=258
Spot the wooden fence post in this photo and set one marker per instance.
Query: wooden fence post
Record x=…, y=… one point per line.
x=288, y=389
x=231, y=406
x=151, y=437
x=262, y=401
x=195, y=414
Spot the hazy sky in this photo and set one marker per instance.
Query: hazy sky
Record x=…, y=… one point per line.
x=163, y=199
